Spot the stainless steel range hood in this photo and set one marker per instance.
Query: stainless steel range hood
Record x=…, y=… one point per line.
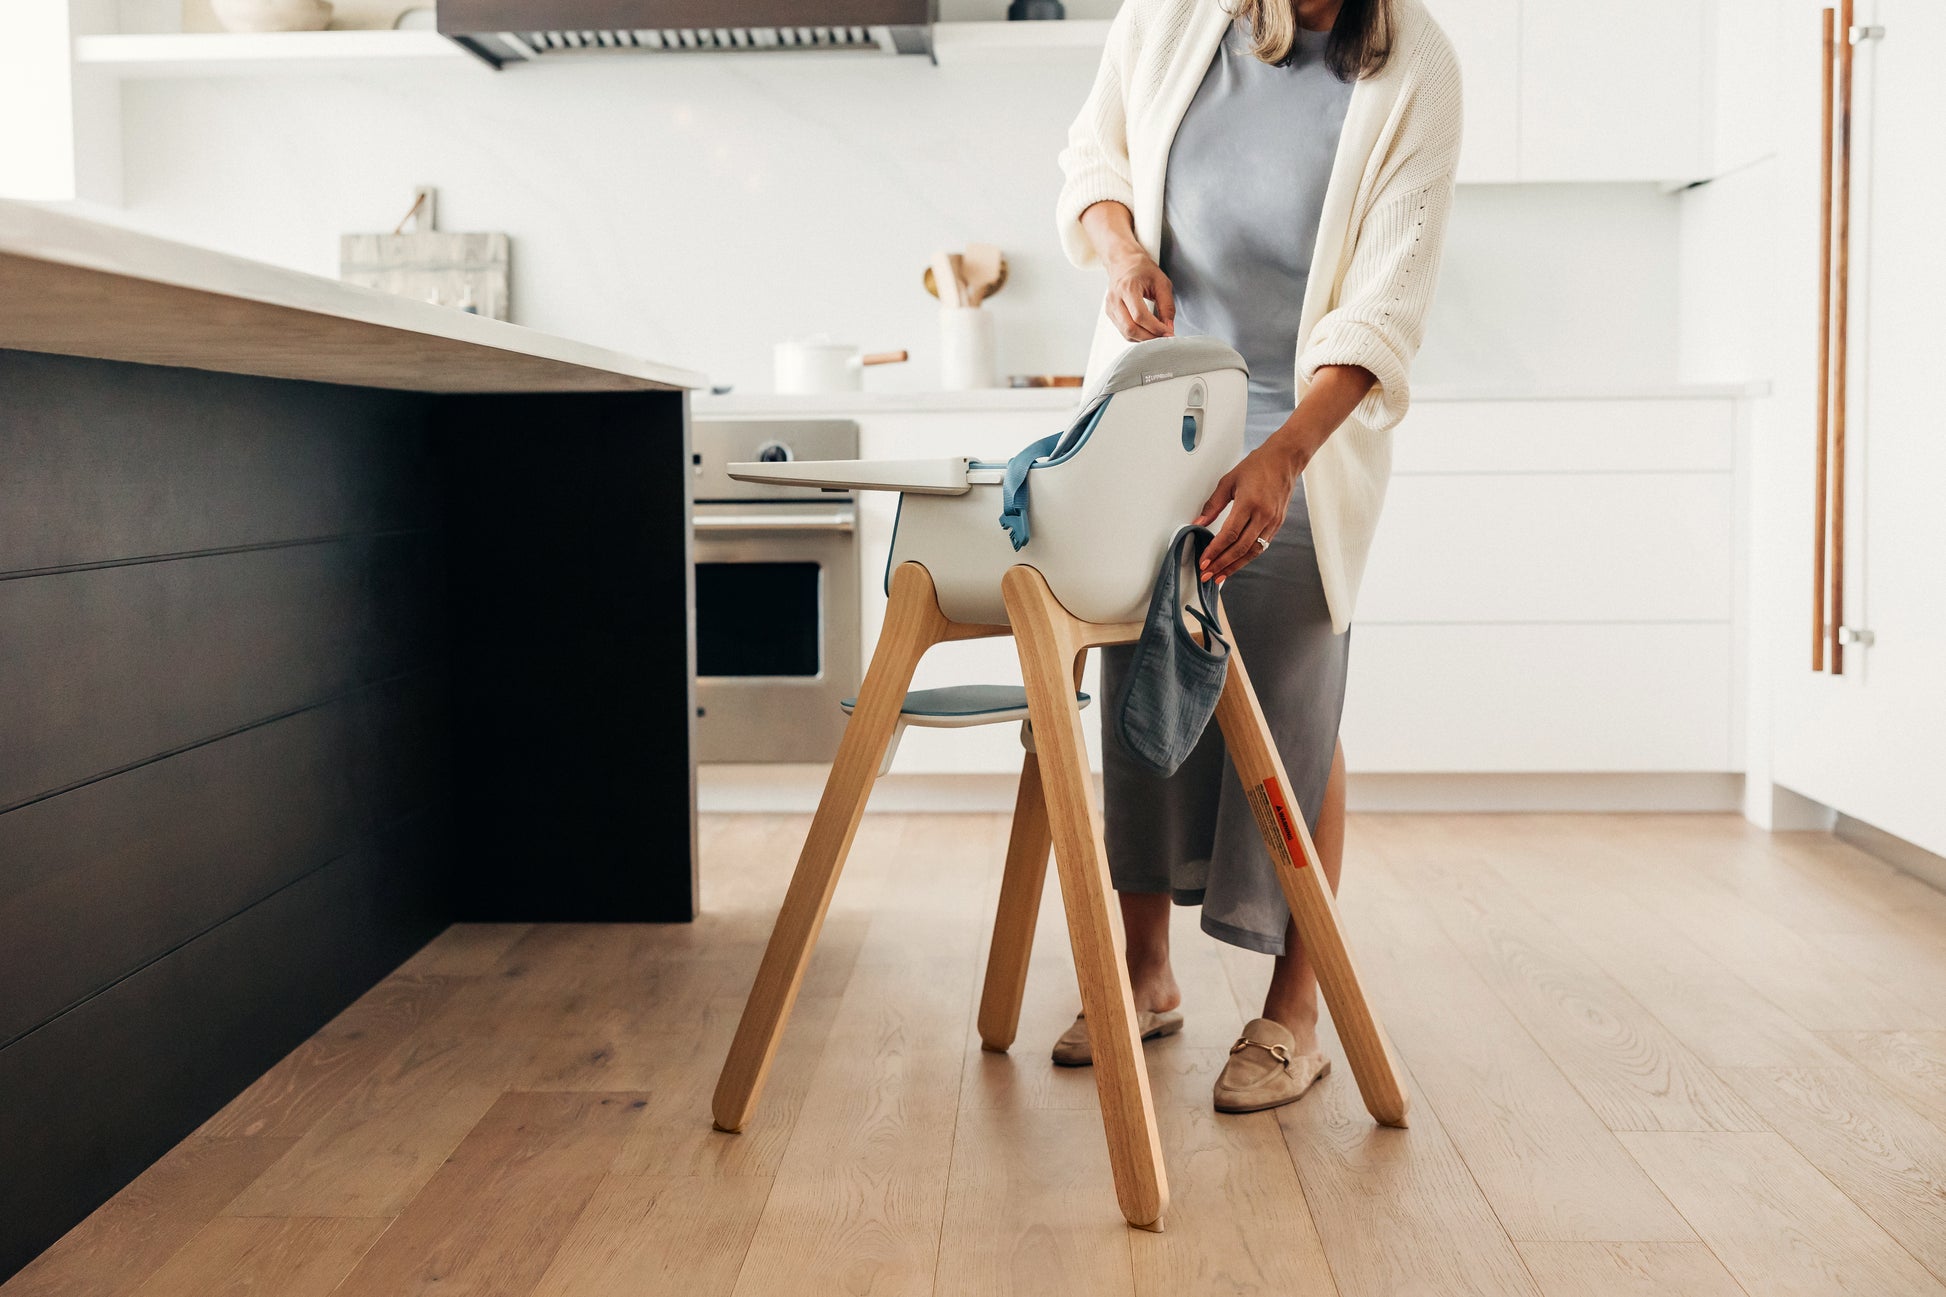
x=509, y=32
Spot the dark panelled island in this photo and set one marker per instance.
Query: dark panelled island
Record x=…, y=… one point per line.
x=326, y=619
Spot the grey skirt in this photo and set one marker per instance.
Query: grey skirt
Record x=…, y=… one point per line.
x=1193, y=835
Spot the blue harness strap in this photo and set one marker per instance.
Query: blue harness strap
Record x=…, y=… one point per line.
x=1013, y=488
x=1053, y=449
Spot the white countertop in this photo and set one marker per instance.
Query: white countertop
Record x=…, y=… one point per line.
x=77, y=287
x=848, y=403
x=1027, y=400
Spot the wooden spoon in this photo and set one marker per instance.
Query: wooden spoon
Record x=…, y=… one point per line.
x=946, y=275
x=984, y=271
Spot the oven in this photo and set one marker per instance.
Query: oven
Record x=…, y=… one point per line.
x=777, y=599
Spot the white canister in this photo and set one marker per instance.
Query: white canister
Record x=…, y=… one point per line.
x=965, y=348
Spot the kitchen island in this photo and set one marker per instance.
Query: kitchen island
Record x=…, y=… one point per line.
x=327, y=618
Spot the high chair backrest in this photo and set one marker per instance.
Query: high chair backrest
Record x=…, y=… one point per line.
x=1153, y=436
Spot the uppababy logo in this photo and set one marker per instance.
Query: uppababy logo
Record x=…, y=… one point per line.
x=1154, y=378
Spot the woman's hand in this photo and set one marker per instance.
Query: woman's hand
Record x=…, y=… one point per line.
x=1258, y=491
x=1134, y=280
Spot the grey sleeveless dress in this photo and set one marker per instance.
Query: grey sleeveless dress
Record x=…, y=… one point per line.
x=1241, y=204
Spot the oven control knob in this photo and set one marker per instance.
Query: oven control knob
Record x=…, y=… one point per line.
x=773, y=452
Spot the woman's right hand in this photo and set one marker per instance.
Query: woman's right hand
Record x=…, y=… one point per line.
x=1134, y=281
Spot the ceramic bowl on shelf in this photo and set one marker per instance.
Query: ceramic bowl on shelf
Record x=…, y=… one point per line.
x=272, y=15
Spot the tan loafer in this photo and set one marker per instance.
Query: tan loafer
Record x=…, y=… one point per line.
x=1074, y=1050
x=1263, y=1072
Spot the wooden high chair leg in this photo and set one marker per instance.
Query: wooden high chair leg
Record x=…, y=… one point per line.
x=913, y=623
x=1018, y=912
x=1050, y=640
x=1308, y=893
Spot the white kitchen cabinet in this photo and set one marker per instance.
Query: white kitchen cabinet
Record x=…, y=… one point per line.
x=1551, y=589
x=1517, y=697
x=1741, y=73
x=1486, y=37
x=1614, y=89
x=1553, y=547
x=1612, y=435
x=1557, y=511
x=1871, y=742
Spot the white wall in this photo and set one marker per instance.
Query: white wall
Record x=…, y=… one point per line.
x=57, y=136
x=695, y=211
x=35, y=87
x=1557, y=285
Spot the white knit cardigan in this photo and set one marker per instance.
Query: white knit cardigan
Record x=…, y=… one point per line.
x=1379, y=238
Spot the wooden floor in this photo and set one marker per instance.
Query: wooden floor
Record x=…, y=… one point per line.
x=1649, y=1055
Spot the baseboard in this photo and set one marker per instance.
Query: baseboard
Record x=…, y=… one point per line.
x=1552, y=791
x=1897, y=852
x=794, y=789
x=1777, y=808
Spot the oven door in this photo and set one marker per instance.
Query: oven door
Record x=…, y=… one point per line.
x=777, y=629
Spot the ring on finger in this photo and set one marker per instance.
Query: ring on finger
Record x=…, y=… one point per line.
x=1262, y=543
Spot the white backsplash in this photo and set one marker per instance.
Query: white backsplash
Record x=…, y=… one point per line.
x=697, y=210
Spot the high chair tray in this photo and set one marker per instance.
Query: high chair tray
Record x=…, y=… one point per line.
x=947, y=476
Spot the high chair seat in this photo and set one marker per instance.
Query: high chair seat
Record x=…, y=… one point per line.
x=959, y=706
x=1090, y=507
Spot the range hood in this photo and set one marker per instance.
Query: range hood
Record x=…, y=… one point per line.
x=511, y=32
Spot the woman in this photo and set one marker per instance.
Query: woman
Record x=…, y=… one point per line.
x=1278, y=175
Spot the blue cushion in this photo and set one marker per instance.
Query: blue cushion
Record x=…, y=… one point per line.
x=965, y=700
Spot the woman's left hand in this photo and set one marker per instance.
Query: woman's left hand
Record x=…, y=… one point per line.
x=1259, y=492
x=1259, y=488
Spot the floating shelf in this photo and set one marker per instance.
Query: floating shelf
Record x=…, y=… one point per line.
x=208, y=54
x=198, y=54
x=1002, y=40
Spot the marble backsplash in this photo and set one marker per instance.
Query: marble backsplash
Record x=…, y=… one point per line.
x=699, y=210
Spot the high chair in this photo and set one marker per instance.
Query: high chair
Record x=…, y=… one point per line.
x=1094, y=508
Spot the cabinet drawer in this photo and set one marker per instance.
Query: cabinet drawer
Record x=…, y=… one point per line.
x=1566, y=437
x=1432, y=699
x=1437, y=699
x=1615, y=547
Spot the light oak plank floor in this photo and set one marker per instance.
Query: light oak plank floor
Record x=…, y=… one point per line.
x=1648, y=1055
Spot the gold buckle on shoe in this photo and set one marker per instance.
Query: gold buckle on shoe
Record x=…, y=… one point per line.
x=1277, y=1052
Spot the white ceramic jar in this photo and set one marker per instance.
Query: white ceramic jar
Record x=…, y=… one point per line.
x=272, y=15
x=966, y=348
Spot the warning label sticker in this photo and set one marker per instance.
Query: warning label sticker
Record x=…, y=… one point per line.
x=1275, y=823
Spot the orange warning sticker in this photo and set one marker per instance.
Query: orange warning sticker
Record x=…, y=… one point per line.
x=1275, y=823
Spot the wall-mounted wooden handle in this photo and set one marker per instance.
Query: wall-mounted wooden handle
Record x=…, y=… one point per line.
x=1840, y=331
x=1823, y=487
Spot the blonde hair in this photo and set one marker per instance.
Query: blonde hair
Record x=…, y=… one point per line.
x=1360, y=43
